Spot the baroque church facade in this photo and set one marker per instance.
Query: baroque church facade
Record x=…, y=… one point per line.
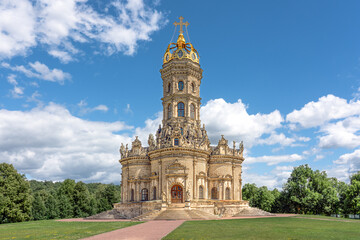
x=179, y=166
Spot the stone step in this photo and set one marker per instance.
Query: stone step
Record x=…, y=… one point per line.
x=147, y=216
x=185, y=214
x=111, y=214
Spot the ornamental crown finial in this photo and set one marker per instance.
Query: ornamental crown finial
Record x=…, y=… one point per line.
x=181, y=49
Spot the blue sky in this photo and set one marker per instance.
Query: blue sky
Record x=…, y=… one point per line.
x=77, y=78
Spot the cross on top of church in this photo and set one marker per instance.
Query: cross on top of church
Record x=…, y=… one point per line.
x=181, y=24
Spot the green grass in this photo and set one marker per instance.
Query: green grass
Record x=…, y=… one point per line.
x=267, y=228
x=50, y=229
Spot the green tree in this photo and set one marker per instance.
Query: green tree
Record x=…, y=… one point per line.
x=264, y=199
x=352, y=200
x=65, y=198
x=249, y=192
x=309, y=191
x=15, y=198
x=52, y=206
x=81, y=198
x=38, y=206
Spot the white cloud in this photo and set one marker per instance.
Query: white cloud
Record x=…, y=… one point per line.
x=327, y=108
x=345, y=166
x=101, y=107
x=275, y=138
x=275, y=179
x=16, y=92
x=151, y=126
x=50, y=143
x=276, y=159
x=17, y=27
x=233, y=121
x=341, y=134
x=64, y=57
x=84, y=109
x=40, y=71
x=56, y=24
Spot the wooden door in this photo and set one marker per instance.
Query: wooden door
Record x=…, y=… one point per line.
x=176, y=194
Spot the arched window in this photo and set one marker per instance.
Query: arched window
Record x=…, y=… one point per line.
x=192, y=111
x=201, y=192
x=176, y=142
x=154, y=193
x=182, y=131
x=193, y=87
x=181, y=109
x=180, y=85
x=227, y=193
x=144, y=195
x=169, y=87
x=214, y=194
x=169, y=111
x=132, y=195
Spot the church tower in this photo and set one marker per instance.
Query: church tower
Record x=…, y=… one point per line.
x=181, y=75
x=179, y=166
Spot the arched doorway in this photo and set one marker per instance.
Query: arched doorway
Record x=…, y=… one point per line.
x=176, y=194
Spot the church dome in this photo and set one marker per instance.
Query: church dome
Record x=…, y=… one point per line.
x=181, y=49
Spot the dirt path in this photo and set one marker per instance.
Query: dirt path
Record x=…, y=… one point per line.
x=152, y=230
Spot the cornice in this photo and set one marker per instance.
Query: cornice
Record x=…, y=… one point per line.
x=178, y=150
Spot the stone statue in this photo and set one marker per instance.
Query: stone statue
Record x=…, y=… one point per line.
x=163, y=197
x=241, y=147
x=122, y=150
x=187, y=195
x=151, y=142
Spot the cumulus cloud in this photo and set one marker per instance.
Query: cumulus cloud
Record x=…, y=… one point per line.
x=346, y=165
x=276, y=159
x=274, y=179
x=50, y=143
x=151, y=125
x=56, y=24
x=327, y=108
x=17, y=27
x=343, y=133
x=40, y=71
x=233, y=121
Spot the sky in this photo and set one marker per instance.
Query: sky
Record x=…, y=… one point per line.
x=78, y=78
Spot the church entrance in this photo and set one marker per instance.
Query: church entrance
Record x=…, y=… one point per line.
x=176, y=194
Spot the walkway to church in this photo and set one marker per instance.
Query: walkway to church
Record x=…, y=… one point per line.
x=152, y=230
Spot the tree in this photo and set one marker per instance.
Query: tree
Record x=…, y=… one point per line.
x=249, y=192
x=309, y=191
x=15, y=198
x=352, y=200
x=81, y=198
x=38, y=207
x=65, y=198
x=264, y=199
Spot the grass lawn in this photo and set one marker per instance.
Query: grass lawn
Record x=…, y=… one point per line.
x=267, y=228
x=50, y=229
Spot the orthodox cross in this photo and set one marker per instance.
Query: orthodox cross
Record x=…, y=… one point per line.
x=181, y=24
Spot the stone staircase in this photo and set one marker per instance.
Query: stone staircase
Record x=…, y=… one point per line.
x=175, y=211
x=252, y=211
x=111, y=214
x=184, y=214
x=147, y=216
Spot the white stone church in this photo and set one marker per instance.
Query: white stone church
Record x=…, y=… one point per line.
x=179, y=168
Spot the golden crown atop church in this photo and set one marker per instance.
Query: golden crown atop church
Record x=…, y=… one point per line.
x=179, y=166
x=181, y=49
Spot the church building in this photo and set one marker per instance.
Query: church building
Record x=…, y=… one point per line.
x=179, y=167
